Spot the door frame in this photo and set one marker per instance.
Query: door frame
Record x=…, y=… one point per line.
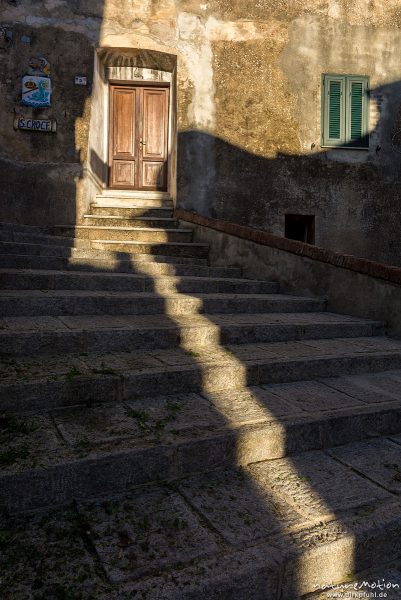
x=143, y=84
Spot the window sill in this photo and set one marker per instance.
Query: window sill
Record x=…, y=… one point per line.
x=363, y=149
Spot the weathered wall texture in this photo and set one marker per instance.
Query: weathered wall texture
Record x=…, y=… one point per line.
x=248, y=81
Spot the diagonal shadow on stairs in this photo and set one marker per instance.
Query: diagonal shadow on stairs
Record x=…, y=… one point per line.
x=237, y=439
x=233, y=447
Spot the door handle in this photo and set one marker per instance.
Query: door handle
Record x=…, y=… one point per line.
x=142, y=142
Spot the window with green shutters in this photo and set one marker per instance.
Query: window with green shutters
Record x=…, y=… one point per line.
x=345, y=114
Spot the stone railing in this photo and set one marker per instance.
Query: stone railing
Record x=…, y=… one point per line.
x=352, y=285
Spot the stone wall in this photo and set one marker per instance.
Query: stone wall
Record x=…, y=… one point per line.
x=248, y=110
x=352, y=286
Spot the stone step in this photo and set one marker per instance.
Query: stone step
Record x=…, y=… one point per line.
x=129, y=222
x=78, y=249
x=227, y=534
x=162, y=265
x=75, y=453
x=17, y=279
x=135, y=234
x=42, y=383
x=17, y=227
x=116, y=195
x=61, y=335
x=167, y=265
x=42, y=249
x=133, y=202
x=127, y=212
x=18, y=303
x=42, y=239
x=190, y=250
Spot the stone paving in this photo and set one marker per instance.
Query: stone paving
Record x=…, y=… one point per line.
x=172, y=431
x=153, y=540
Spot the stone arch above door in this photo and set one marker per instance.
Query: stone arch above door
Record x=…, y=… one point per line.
x=136, y=64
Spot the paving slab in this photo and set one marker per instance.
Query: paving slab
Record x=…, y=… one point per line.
x=292, y=349
x=331, y=551
x=311, y=396
x=44, y=556
x=150, y=531
x=140, y=423
x=117, y=362
x=315, y=485
x=23, y=369
x=357, y=345
x=277, y=495
x=255, y=404
x=28, y=443
x=234, y=505
x=243, y=574
x=363, y=388
x=199, y=355
x=379, y=460
x=389, y=383
x=94, y=322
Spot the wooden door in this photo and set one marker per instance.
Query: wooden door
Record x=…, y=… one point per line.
x=138, y=137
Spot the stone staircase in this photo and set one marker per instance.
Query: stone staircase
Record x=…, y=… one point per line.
x=173, y=430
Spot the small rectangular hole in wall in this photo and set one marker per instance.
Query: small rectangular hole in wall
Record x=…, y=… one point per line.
x=300, y=227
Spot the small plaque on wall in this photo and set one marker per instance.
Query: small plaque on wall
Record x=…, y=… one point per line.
x=80, y=80
x=43, y=125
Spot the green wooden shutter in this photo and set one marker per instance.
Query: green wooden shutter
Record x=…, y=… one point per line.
x=357, y=126
x=335, y=91
x=333, y=110
x=356, y=100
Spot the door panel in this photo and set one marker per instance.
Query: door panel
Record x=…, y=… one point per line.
x=124, y=103
x=124, y=122
x=153, y=175
x=124, y=173
x=154, y=133
x=139, y=137
x=154, y=124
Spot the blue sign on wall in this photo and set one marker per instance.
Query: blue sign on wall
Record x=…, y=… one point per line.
x=37, y=85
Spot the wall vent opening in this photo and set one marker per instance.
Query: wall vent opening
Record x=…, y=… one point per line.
x=300, y=227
